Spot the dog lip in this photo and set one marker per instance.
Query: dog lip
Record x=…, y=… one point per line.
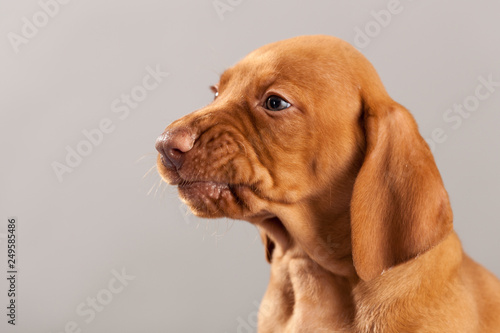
x=167, y=163
x=204, y=190
x=175, y=182
x=186, y=184
x=213, y=189
x=180, y=182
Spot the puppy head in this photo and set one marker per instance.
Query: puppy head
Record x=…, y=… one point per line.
x=300, y=133
x=280, y=126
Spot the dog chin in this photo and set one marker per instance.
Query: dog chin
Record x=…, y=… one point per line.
x=210, y=199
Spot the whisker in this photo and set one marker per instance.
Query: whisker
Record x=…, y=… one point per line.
x=149, y=171
x=256, y=237
x=158, y=186
x=144, y=156
x=205, y=231
x=216, y=231
x=151, y=189
x=162, y=194
x=230, y=223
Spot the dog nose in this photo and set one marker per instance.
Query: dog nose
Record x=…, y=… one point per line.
x=172, y=146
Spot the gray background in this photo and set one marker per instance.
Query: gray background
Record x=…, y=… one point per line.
x=194, y=275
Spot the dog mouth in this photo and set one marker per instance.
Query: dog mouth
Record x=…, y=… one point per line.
x=218, y=198
x=209, y=189
x=212, y=199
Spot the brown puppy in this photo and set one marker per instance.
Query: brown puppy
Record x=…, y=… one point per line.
x=303, y=141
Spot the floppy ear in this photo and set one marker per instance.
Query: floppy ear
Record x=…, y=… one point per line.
x=399, y=206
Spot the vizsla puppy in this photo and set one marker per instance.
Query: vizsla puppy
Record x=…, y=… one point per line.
x=303, y=141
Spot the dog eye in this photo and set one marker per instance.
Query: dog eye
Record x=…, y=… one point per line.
x=275, y=103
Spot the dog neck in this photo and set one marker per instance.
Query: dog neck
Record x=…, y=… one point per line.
x=304, y=296
x=312, y=271
x=308, y=297
x=312, y=274
x=295, y=228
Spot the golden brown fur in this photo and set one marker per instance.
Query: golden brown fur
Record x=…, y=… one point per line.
x=351, y=207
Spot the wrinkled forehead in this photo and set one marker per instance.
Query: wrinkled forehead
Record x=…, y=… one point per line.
x=302, y=66
x=256, y=69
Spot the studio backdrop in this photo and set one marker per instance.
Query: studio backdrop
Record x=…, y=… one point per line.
x=86, y=87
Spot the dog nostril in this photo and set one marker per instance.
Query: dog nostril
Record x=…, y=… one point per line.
x=176, y=151
x=175, y=156
x=172, y=146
